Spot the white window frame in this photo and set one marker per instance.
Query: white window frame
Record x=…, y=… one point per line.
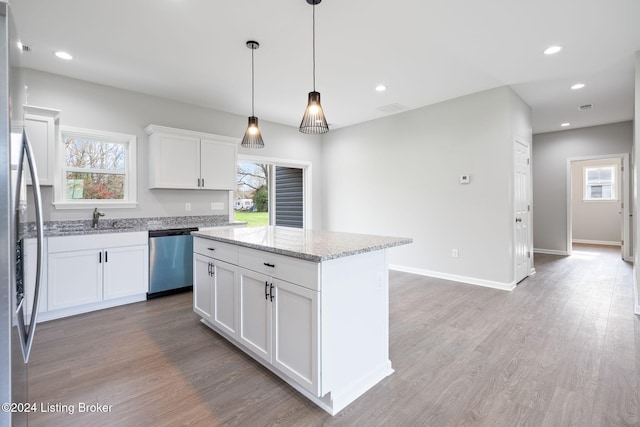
x=614, y=184
x=130, y=190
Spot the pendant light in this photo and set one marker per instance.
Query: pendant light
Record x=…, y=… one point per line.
x=313, y=121
x=252, y=136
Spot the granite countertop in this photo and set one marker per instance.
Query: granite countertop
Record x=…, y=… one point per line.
x=129, y=225
x=310, y=245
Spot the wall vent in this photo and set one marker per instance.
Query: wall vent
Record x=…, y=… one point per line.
x=585, y=107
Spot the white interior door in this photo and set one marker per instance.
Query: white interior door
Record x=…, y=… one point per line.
x=522, y=209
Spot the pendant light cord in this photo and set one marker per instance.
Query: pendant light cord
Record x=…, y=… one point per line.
x=252, y=83
x=314, y=46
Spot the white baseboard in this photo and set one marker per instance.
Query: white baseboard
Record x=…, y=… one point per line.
x=549, y=251
x=455, y=278
x=596, y=242
x=86, y=308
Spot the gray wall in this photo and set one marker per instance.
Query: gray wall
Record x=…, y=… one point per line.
x=399, y=175
x=550, y=152
x=92, y=106
x=594, y=221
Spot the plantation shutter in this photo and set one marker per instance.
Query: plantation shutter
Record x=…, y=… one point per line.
x=289, y=197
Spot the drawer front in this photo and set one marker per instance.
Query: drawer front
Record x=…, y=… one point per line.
x=293, y=270
x=214, y=249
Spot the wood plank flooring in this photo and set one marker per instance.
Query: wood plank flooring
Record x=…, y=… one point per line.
x=563, y=349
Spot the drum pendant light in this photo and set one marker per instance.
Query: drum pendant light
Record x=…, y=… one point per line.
x=313, y=121
x=252, y=136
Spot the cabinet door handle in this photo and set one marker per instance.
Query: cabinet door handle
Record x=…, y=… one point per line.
x=106, y=256
x=271, y=295
x=269, y=265
x=198, y=182
x=100, y=257
x=202, y=182
x=266, y=290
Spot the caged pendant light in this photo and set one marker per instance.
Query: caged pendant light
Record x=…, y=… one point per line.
x=313, y=121
x=252, y=136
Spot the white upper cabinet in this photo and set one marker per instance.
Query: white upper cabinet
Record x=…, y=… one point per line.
x=40, y=124
x=183, y=159
x=218, y=160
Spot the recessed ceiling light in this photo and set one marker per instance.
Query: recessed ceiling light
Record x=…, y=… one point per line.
x=578, y=86
x=63, y=55
x=381, y=88
x=552, y=49
x=564, y=125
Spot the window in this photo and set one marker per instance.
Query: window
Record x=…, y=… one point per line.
x=95, y=168
x=600, y=183
x=272, y=192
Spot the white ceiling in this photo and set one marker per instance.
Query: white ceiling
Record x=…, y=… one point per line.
x=424, y=51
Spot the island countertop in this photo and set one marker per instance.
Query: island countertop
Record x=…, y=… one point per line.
x=307, y=244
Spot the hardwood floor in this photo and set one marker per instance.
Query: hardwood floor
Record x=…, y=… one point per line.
x=563, y=349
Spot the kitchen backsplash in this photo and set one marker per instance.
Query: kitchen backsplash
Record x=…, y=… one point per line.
x=118, y=224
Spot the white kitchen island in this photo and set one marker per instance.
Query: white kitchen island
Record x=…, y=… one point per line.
x=311, y=306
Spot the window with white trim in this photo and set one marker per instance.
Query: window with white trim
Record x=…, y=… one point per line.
x=272, y=192
x=95, y=168
x=600, y=183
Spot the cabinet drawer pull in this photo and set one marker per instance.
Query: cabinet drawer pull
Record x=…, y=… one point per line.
x=269, y=265
x=271, y=292
x=212, y=249
x=266, y=290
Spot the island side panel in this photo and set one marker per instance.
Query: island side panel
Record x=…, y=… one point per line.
x=355, y=325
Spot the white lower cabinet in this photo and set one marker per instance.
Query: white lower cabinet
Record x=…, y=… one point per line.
x=125, y=271
x=295, y=338
x=202, y=286
x=277, y=321
x=75, y=278
x=224, y=296
x=255, y=313
x=90, y=272
x=214, y=292
x=321, y=326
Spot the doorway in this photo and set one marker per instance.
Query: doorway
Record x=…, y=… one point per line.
x=522, y=208
x=598, y=202
x=272, y=192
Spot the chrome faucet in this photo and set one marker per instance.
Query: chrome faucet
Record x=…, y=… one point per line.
x=96, y=216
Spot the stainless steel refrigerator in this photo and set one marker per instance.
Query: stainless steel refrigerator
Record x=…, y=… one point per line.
x=17, y=321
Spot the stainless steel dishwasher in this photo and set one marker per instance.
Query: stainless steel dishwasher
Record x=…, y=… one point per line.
x=170, y=261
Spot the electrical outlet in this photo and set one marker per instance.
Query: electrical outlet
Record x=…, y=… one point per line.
x=454, y=253
x=187, y=207
x=217, y=206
